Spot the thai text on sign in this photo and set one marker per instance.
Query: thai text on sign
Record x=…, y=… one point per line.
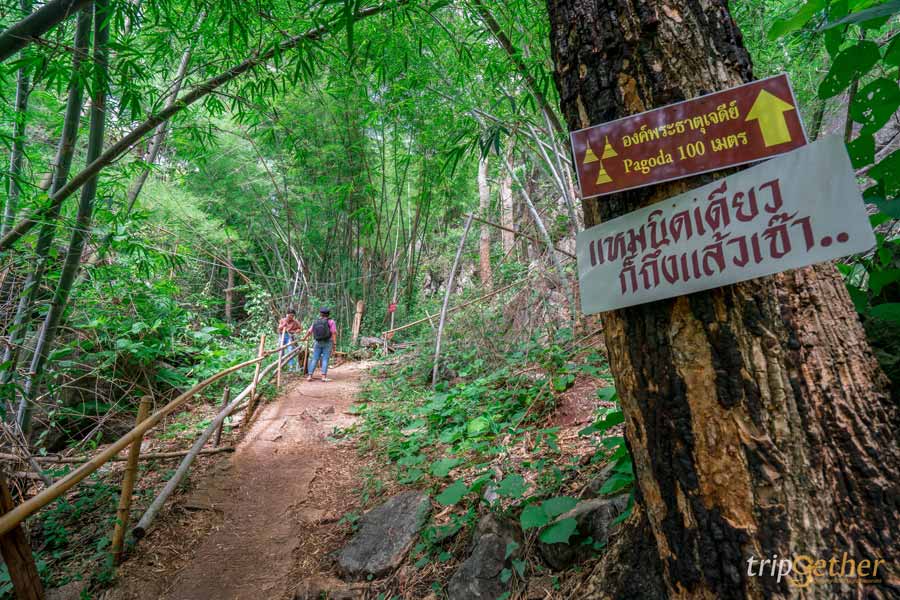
x=789, y=212
x=736, y=126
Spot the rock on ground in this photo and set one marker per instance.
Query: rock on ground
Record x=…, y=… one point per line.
x=594, y=518
x=478, y=578
x=385, y=536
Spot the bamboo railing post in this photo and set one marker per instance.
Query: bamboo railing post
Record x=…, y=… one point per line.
x=17, y=554
x=440, y=331
x=251, y=405
x=226, y=396
x=9, y=520
x=128, y=478
x=140, y=530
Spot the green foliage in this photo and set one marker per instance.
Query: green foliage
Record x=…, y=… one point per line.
x=861, y=40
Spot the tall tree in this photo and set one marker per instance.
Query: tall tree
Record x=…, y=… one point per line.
x=758, y=420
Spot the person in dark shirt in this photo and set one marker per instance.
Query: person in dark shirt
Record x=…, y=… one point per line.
x=324, y=332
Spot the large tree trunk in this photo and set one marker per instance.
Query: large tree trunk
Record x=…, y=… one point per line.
x=484, y=244
x=757, y=417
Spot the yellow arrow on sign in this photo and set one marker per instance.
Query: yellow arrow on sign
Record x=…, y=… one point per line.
x=769, y=110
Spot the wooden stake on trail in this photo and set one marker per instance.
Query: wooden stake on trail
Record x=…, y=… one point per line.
x=128, y=478
x=226, y=395
x=17, y=554
x=251, y=405
x=440, y=331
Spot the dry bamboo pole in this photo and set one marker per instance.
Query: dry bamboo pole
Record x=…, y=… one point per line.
x=459, y=306
x=9, y=520
x=17, y=554
x=226, y=394
x=128, y=479
x=140, y=530
x=520, y=234
x=440, y=331
x=71, y=460
x=547, y=240
x=252, y=404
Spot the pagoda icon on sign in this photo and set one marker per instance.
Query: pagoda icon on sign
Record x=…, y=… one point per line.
x=591, y=157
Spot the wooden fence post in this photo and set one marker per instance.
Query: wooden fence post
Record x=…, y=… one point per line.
x=17, y=554
x=226, y=396
x=251, y=405
x=128, y=478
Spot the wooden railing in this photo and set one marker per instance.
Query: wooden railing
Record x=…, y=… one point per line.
x=11, y=535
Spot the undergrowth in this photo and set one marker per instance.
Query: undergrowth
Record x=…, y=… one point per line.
x=481, y=441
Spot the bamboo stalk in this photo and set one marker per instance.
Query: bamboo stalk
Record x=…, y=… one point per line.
x=520, y=234
x=32, y=505
x=17, y=554
x=128, y=479
x=226, y=394
x=140, y=530
x=457, y=307
x=547, y=240
x=440, y=331
x=72, y=460
x=252, y=404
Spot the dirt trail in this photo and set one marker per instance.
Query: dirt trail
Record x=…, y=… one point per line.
x=262, y=502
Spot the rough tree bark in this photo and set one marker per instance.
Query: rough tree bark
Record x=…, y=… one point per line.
x=758, y=419
x=484, y=243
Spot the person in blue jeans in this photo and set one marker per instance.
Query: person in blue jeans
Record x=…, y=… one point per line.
x=324, y=333
x=288, y=327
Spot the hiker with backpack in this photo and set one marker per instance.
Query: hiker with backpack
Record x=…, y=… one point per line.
x=324, y=332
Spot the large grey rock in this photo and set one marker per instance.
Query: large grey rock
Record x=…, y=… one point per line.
x=478, y=578
x=385, y=536
x=594, y=518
